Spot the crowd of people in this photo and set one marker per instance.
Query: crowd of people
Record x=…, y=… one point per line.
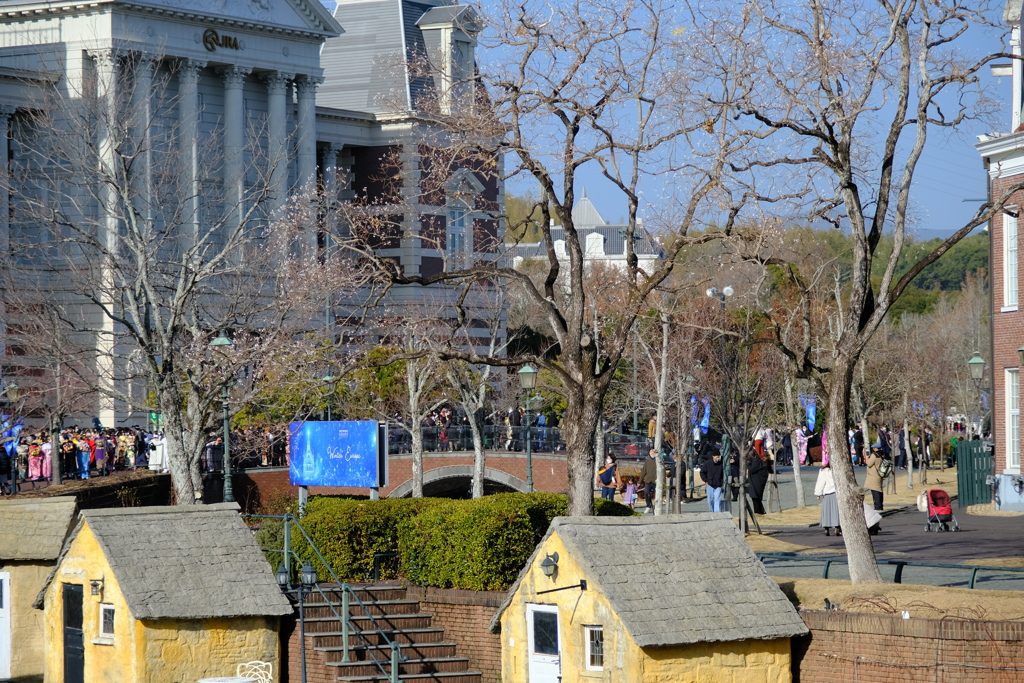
x=80, y=454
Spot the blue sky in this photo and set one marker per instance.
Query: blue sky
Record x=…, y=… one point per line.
x=949, y=173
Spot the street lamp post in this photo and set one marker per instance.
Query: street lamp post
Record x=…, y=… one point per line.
x=13, y=393
x=328, y=380
x=714, y=293
x=528, y=380
x=229, y=493
x=229, y=489
x=976, y=366
x=307, y=581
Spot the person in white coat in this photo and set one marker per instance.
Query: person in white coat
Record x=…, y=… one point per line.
x=825, y=490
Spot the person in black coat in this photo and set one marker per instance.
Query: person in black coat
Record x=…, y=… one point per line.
x=711, y=473
x=757, y=478
x=734, y=475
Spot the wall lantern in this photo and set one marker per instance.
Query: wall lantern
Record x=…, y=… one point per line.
x=97, y=586
x=549, y=564
x=977, y=364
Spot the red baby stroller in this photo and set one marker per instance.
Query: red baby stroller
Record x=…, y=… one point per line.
x=940, y=512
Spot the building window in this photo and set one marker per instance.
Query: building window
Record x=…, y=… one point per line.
x=106, y=621
x=457, y=236
x=595, y=648
x=1009, y=260
x=1012, y=419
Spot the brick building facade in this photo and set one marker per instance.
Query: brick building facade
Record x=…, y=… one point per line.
x=1003, y=156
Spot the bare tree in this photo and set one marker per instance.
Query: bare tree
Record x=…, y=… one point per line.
x=851, y=92
x=584, y=84
x=145, y=240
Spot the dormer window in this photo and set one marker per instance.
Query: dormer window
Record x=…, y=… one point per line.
x=449, y=35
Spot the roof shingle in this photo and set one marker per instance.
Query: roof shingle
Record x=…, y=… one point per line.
x=698, y=581
x=34, y=528
x=186, y=562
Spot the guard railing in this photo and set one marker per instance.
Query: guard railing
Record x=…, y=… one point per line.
x=347, y=595
x=899, y=564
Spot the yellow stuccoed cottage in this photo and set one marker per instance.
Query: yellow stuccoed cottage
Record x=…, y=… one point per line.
x=160, y=595
x=646, y=600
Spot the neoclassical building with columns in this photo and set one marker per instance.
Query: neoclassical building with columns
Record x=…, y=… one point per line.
x=322, y=97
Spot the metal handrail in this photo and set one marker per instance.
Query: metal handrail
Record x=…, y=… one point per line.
x=346, y=591
x=899, y=564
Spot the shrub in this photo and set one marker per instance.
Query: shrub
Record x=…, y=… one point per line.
x=479, y=544
x=350, y=532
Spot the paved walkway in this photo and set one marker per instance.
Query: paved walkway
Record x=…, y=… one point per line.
x=903, y=538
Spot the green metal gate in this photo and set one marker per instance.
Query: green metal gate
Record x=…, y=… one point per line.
x=974, y=464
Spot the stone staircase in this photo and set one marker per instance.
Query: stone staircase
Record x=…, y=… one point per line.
x=427, y=656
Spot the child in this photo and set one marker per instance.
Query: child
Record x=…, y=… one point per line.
x=629, y=496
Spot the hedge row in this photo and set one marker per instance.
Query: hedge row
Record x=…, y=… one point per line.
x=479, y=544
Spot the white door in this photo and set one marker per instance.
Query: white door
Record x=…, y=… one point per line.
x=543, y=642
x=5, y=625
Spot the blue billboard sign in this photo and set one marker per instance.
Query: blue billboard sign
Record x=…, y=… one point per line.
x=352, y=454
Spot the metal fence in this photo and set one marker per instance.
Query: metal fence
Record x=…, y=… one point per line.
x=505, y=438
x=974, y=465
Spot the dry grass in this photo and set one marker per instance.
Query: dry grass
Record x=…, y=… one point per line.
x=937, y=479
x=71, y=486
x=999, y=562
x=769, y=544
x=928, y=602
x=804, y=516
x=989, y=510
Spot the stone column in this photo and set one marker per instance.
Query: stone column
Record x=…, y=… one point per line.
x=234, y=141
x=6, y=111
x=306, y=131
x=330, y=189
x=110, y=119
x=142, y=111
x=277, y=133
x=188, y=134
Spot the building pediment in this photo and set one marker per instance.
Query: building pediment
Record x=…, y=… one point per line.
x=300, y=16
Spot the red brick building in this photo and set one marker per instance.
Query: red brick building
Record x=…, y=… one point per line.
x=1003, y=155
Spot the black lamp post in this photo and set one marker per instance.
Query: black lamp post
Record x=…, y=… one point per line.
x=13, y=393
x=328, y=380
x=222, y=341
x=528, y=380
x=307, y=580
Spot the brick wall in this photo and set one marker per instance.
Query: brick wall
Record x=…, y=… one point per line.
x=1008, y=325
x=255, y=486
x=464, y=616
x=880, y=648
x=291, y=665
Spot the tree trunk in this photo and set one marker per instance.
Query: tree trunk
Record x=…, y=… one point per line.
x=860, y=552
x=479, y=456
x=791, y=421
x=177, y=461
x=798, y=480
x=906, y=445
x=582, y=418
x=682, y=458
x=742, y=497
x=659, y=486
x=416, y=432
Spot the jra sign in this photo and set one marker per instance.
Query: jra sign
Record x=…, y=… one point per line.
x=212, y=40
